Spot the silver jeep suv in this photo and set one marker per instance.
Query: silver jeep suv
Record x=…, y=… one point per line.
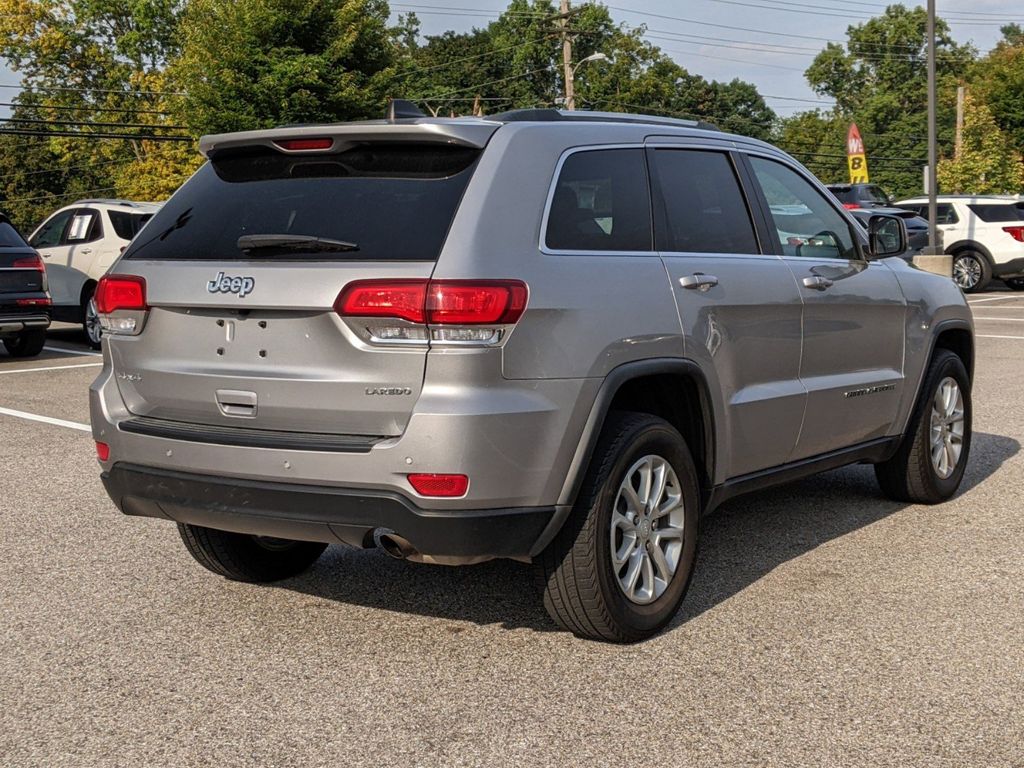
x=553, y=337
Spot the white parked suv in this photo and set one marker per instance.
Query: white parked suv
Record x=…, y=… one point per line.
x=985, y=235
x=78, y=244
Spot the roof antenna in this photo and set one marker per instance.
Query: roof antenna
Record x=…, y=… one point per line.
x=402, y=108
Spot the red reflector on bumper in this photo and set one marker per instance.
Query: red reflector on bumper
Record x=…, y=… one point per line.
x=439, y=485
x=102, y=451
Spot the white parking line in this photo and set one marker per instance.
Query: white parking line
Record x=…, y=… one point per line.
x=45, y=419
x=51, y=368
x=1001, y=319
x=73, y=351
x=992, y=298
x=991, y=336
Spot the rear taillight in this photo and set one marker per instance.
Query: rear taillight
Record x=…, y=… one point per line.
x=121, y=303
x=40, y=302
x=447, y=486
x=116, y=292
x=452, y=311
x=401, y=299
x=1017, y=233
x=29, y=262
x=851, y=206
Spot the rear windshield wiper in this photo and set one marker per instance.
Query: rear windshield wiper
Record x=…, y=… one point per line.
x=293, y=243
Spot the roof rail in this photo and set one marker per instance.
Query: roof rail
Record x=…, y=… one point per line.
x=561, y=115
x=107, y=201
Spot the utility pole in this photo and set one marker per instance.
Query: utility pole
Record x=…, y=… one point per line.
x=933, y=239
x=959, y=122
x=570, y=95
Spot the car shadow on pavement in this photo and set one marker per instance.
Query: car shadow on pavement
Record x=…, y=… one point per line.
x=741, y=542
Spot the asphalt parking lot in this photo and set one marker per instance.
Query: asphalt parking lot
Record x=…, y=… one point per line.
x=826, y=626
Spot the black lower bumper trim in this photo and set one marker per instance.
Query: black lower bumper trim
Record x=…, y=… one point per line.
x=322, y=513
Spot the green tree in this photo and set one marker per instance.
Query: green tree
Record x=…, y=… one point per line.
x=987, y=163
x=998, y=80
x=250, y=64
x=818, y=140
x=879, y=81
x=89, y=67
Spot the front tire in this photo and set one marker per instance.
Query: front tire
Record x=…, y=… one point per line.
x=26, y=344
x=620, y=567
x=971, y=271
x=242, y=557
x=930, y=462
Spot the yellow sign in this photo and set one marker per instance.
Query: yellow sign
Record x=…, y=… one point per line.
x=855, y=157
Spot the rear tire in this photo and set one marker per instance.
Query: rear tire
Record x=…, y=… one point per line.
x=585, y=572
x=91, y=320
x=971, y=271
x=27, y=344
x=914, y=474
x=242, y=557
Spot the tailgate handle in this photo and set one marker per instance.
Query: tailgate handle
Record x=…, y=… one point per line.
x=233, y=402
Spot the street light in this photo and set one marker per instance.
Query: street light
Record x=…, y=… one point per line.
x=570, y=78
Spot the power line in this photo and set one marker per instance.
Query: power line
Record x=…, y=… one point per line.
x=65, y=169
x=48, y=88
x=87, y=108
x=90, y=135
x=89, y=123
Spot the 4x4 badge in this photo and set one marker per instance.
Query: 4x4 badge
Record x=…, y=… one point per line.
x=223, y=284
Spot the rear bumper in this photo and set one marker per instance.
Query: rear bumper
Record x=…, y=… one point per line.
x=328, y=514
x=1012, y=268
x=13, y=322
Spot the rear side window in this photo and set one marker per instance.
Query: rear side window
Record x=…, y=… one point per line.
x=601, y=203
x=85, y=227
x=127, y=225
x=9, y=237
x=699, y=205
x=874, y=194
x=392, y=202
x=996, y=212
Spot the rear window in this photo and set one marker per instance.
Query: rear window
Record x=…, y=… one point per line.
x=843, y=194
x=394, y=202
x=997, y=211
x=874, y=194
x=127, y=225
x=9, y=237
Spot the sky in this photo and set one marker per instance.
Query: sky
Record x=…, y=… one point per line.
x=767, y=42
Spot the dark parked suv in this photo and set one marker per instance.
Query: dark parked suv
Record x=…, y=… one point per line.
x=554, y=337
x=24, y=301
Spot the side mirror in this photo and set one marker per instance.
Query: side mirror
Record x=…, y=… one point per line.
x=887, y=235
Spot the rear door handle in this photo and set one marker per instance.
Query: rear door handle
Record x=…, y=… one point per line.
x=817, y=282
x=85, y=250
x=698, y=281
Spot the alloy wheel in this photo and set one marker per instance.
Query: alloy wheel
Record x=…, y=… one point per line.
x=967, y=272
x=947, y=427
x=647, y=529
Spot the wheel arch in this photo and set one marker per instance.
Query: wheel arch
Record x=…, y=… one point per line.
x=970, y=245
x=680, y=396
x=87, y=288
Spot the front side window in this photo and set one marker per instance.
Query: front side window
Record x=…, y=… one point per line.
x=50, y=233
x=700, y=200
x=944, y=214
x=807, y=225
x=601, y=203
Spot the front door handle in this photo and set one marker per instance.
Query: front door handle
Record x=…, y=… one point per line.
x=698, y=281
x=817, y=282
